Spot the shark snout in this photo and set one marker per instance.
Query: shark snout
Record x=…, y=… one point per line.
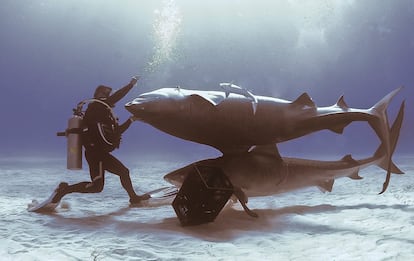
x=136, y=106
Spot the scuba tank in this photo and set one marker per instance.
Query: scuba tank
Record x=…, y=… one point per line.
x=74, y=143
x=73, y=133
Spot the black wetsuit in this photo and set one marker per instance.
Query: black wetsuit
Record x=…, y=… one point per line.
x=102, y=135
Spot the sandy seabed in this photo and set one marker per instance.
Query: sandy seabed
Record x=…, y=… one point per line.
x=352, y=222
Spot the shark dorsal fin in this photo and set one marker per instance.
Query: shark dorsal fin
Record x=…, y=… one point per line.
x=341, y=103
x=348, y=158
x=268, y=150
x=304, y=100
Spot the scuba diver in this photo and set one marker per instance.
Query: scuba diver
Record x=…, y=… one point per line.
x=100, y=136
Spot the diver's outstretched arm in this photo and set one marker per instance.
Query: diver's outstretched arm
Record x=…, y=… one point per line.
x=119, y=94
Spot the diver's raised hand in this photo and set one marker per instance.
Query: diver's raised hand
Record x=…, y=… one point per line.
x=134, y=80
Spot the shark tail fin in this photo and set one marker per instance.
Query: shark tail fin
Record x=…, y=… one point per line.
x=381, y=127
x=394, y=135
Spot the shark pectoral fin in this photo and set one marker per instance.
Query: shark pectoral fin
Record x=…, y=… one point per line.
x=203, y=99
x=240, y=195
x=243, y=200
x=326, y=186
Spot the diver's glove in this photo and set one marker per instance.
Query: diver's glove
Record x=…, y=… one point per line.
x=134, y=80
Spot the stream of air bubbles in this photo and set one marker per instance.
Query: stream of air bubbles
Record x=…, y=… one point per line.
x=166, y=29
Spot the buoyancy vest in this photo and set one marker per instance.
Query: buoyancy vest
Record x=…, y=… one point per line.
x=100, y=129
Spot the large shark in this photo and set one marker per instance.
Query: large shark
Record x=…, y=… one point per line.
x=233, y=121
x=263, y=172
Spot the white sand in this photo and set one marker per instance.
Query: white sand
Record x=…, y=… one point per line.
x=352, y=222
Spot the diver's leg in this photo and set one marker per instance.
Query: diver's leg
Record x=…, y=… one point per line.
x=96, y=185
x=116, y=167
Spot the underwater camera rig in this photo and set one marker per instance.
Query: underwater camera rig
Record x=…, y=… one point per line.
x=202, y=195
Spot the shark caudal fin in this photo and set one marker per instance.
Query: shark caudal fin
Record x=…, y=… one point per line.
x=394, y=135
x=381, y=127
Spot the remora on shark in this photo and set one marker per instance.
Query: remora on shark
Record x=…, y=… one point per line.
x=263, y=172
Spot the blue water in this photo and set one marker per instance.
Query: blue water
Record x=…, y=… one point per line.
x=54, y=54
